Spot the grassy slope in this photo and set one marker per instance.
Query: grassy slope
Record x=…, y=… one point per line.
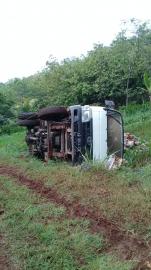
x=37, y=232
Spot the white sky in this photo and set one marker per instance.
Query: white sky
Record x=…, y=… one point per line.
x=31, y=30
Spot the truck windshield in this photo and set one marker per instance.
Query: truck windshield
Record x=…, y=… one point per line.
x=115, y=134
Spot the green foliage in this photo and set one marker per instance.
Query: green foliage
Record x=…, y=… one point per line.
x=9, y=127
x=6, y=110
x=7, y=114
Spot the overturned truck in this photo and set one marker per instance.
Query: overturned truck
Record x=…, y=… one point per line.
x=74, y=133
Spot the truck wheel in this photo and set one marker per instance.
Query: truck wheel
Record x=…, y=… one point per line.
x=27, y=115
x=28, y=123
x=53, y=113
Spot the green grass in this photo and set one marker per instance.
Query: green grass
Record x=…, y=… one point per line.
x=137, y=120
x=39, y=237
x=135, y=114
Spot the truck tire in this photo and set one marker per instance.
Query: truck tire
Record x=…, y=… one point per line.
x=28, y=122
x=28, y=115
x=53, y=113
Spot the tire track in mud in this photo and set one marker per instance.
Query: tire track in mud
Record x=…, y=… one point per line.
x=124, y=244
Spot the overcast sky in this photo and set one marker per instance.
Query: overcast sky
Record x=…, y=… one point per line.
x=31, y=30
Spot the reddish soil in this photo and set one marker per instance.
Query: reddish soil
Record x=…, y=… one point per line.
x=124, y=244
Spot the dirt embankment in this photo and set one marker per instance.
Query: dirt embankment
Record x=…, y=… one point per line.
x=124, y=244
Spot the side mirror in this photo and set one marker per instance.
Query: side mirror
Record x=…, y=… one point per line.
x=110, y=104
